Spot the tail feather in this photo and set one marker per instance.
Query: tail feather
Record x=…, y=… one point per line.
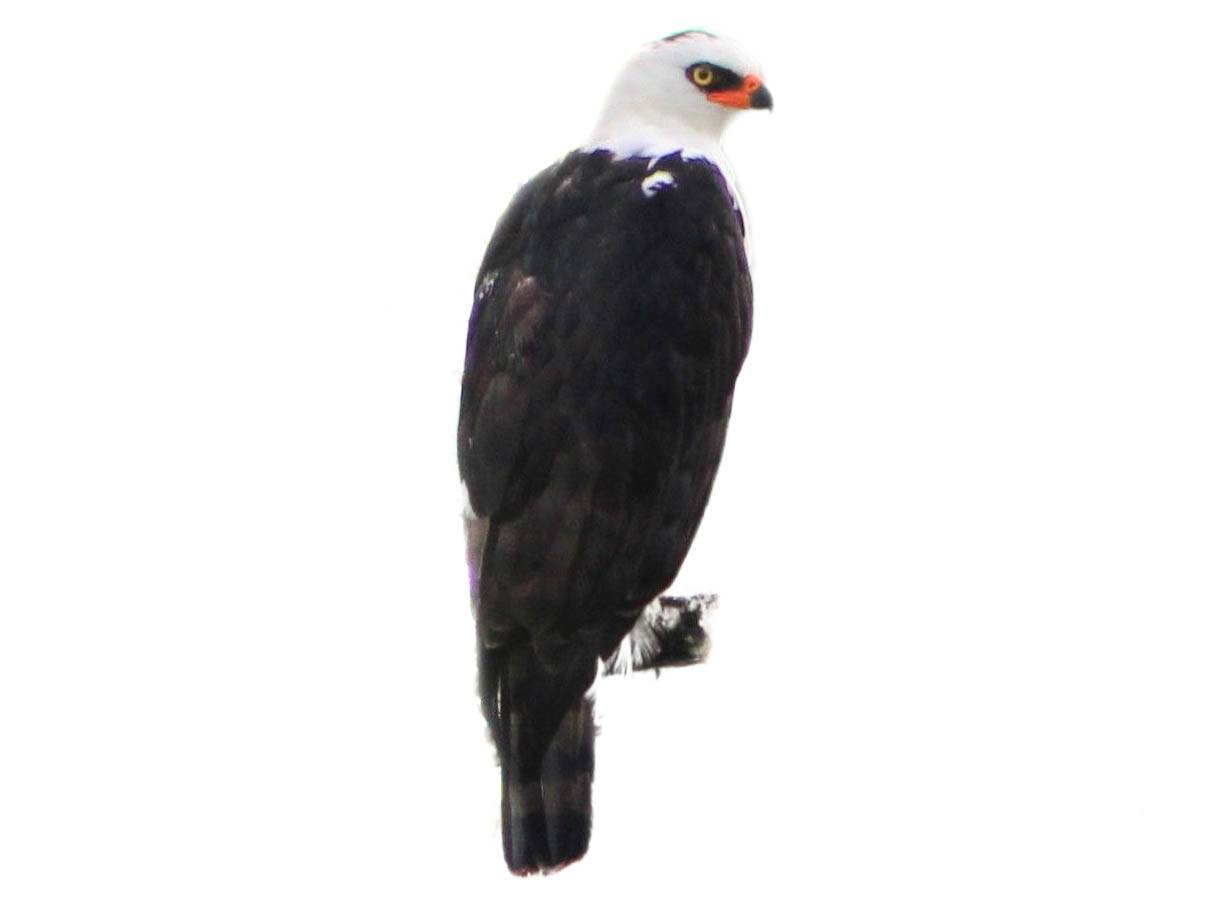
x=524, y=838
x=566, y=777
x=544, y=731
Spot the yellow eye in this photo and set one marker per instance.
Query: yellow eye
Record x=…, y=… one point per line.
x=702, y=76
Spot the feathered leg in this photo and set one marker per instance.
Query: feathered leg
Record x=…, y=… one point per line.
x=671, y=631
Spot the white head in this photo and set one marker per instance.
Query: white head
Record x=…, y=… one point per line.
x=680, y=90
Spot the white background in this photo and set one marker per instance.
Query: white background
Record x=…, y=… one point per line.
x=958, y=534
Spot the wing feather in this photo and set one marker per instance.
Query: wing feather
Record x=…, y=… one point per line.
x=606, y=336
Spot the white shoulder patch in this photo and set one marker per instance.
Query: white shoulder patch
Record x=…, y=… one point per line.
x=656, y=182
x=467, y=510
x=487, y=284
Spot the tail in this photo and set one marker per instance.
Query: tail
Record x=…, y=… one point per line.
x=543, y=726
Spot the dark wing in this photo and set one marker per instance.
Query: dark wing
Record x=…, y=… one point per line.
x=611, y=317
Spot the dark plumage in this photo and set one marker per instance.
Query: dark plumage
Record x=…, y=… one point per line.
x=604, y=345
x=611, y=317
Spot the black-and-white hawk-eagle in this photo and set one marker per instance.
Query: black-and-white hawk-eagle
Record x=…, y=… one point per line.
x=611, y=317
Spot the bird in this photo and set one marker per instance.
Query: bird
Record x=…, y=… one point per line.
x=611, y=315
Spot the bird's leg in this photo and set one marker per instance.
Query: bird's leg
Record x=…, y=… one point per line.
x=671, y=631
